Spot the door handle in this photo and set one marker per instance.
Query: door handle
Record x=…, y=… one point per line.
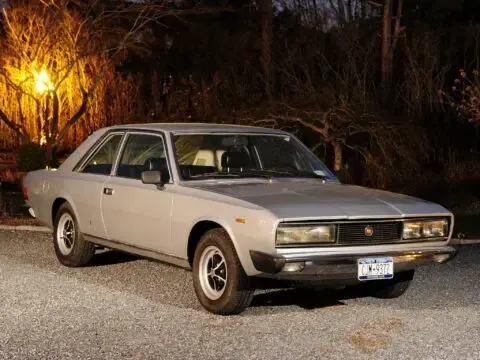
x=108, y=191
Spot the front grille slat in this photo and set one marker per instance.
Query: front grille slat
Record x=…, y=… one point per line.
x=383, y=233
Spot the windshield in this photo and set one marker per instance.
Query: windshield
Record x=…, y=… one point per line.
x=217, y=155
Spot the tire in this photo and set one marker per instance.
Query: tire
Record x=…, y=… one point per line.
x=72, y=249
x=394, y=288
x=231, y=295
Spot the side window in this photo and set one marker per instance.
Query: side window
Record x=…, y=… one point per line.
x=104, y=158
x=142, y=152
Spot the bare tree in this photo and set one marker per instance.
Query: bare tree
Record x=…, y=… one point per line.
x=337, y=103
x=384, y=145
x=54, y=55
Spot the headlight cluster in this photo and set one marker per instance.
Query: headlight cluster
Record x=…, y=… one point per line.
x=325, y=234
x=301, y=235
x=425, y=229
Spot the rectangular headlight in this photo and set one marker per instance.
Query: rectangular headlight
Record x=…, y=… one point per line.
x=305, y=234
x=412, y=230
x=425, y=229
x=438, y=228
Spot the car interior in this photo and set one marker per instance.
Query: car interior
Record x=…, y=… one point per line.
x=217, y=161
x=198, y=161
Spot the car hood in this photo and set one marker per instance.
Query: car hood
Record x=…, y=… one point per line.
x=314, y=199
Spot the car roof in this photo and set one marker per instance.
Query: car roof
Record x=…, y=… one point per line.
x=197, y=127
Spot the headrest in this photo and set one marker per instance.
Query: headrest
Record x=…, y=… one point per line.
x=235, y=159
x=204, y=158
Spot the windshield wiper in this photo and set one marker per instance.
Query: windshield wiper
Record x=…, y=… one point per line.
x=251, y=173
x=214, y=175
x=260, y=173
x=311, y=175
x=295, y=173
x=231, y=174
x=270, y=173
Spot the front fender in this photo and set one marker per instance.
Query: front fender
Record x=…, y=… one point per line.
x=245, y=237
x=224, y=224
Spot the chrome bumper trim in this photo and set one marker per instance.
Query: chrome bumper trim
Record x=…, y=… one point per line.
x=344, y=266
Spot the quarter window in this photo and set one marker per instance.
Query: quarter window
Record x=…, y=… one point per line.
x=142, y=153
x=104, y=158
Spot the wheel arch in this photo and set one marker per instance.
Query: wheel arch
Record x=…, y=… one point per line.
x=58, y=201
x=200, y=227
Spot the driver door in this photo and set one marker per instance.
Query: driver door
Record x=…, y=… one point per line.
x=135, y=213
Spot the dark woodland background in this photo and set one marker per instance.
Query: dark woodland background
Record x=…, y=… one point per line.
x=379, y=90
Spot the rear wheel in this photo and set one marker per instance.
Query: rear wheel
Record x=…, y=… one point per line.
x=389, y=289
x=71, y=248
x=221, y=285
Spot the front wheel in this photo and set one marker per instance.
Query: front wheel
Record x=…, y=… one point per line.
x=390, y=289
x=71, y=248
x=221, y=285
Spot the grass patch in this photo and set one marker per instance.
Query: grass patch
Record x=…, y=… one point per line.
x=369, y=344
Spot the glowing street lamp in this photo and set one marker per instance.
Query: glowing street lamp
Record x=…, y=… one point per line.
x=42, y=85
x=43, y=82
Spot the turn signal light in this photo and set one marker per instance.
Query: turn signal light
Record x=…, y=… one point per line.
x=294, y=266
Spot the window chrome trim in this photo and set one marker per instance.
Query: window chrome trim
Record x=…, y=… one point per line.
x=94, y=149
x=128, y=133
x=119, y=155
x=329, y=178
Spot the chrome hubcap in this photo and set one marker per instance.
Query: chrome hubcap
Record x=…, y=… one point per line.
x=66, y=234
x=213, y=272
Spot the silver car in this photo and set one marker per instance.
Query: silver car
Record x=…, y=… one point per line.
x=241, y=206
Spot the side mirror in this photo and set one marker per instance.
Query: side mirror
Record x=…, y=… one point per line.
x=153, y=177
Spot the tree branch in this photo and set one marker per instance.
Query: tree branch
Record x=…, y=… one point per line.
x=18, y=129
x=81, y=110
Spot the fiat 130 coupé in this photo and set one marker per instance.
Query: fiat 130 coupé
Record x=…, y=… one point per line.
x=239, y=206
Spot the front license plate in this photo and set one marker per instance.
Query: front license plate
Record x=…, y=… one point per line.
x=375, y=268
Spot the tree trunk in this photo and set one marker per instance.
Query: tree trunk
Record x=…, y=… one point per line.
x=338, y=156
x=266, y=15
x=391, y=34
x=48, y=153
x=363, y=10
x=51, y=154
x=386, y=46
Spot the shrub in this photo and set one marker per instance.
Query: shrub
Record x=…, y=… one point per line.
x=463, y=172
x=464, y=96
x=31, y=157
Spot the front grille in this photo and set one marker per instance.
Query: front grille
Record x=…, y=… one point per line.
x=383, y=233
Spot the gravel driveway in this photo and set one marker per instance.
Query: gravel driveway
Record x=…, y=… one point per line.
x=124, y=307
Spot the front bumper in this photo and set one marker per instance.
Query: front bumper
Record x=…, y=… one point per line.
x=342, y=267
